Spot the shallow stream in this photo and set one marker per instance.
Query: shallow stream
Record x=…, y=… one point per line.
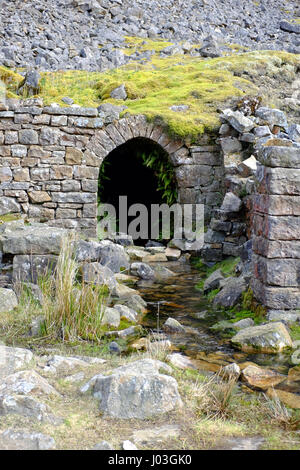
x=178, y=297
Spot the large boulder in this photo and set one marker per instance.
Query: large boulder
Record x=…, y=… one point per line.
x=259, y=378
x=137, y=390
x=96, y=273
x=173, y=326
x=25, y=406
x=8, y=300
x=8, y=205
x=25, y=383
x=113, y=256
x=24, y=440
x=231, y=292
x=12, y=359
x=142, y=270
x=32, y=239
x=27, y=268
x=238, y=120
x=111, y=317
x=269, y=338
x=213, y=281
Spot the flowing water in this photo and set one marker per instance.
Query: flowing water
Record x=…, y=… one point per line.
x=177, y=297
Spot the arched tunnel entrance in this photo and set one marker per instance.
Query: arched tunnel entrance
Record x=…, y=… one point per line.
x=139, y=169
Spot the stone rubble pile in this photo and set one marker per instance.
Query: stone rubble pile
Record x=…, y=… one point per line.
x=89, y=35
x=260, y=211
x=243, y=138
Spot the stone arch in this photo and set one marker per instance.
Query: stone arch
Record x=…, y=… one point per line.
x=118, y=133
x=50, y=159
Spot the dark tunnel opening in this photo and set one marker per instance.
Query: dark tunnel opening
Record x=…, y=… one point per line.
x=139, y=169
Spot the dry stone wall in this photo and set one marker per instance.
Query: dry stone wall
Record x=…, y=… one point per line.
x=50, y=159
x=276, y=229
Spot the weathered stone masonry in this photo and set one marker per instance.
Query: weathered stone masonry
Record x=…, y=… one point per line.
x=50, y=159
x=49, y=164
x=276, y=229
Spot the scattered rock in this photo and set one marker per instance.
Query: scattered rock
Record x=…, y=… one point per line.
x=241, y=443
x=12, y=359
x=113, y=256
x=244, y=323
x=290, y=399
x=172, y=254
x=111, y=317
x=8, y=300
x=114, y=348
x=137, y=390
x=238, y=120
x=30, y=85
x=290, y=27
x=289, y=317
x=26, y=382
x=24, y=440
x=269, y=338
x=232, y=371
x=65, y=364
x=272, y=117
x=180, y=361
x=95, y=273
x=127, y=313
x=25, y=406
x=103, y=445
x=231, y=292
x=213, y=281
x=259, y=378
x=157, y=435
x=142, y=270
x=173, y=326
x=119, y=93
x=128, y=445
x=158, y=347
x=162, y=273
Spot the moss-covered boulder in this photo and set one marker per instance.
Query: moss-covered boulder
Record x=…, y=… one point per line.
x=270, y=338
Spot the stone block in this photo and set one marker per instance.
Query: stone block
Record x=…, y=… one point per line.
x=276, y=248
x=189, y=176
x=279, y=181
x=19, y=151
x=28, y=137
x=286, y=298
x=61, y=172
x=86, y=172
x=276, y=204
x=21, y=174
x=276, y=227
x=74, y=197
x=39, y=196
x=277, y=272
x=285, y=157
x=29, y=268
x=74, y=156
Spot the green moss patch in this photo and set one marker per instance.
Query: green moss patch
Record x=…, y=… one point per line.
x=227, y=267
x=204, y=85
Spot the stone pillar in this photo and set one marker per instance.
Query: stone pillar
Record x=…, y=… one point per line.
x=276, y=229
